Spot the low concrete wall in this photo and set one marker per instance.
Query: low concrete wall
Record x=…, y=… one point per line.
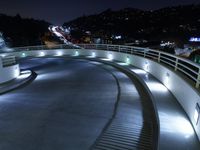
x=8, y=73
x=186, y=95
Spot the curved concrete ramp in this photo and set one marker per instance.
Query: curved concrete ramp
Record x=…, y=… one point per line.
x=68, y=106
x=63, y=108
x=133, y=125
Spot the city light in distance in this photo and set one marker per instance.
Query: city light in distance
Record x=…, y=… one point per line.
x=194, y=39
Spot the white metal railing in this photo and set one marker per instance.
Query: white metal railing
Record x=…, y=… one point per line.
x=186, y=67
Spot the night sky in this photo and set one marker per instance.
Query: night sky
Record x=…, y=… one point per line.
x=59, y=11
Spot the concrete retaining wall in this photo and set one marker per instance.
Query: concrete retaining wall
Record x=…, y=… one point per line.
x=8, y=73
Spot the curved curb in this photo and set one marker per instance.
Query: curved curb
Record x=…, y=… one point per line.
x=115, y=107
x=21, y=83
x=132, y=75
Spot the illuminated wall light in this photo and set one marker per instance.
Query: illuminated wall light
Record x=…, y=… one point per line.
x=178, y=125
x=147, y=76
x=23, y=55
x=197, y=113
x=167, y=78
x=3, y=55
x=158, y=87
x=42, y=54
x=139, y=71
x=110, y=56
x=166, y=81
x=122, y=63
x=76, y=53
x=59, y=53
x=127, y=60
x=16, y=71
x=93, y=54
x=24, y=74
x=146, y=67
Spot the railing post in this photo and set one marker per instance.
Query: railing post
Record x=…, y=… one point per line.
x=144, y=53
x=107, y=47
x=159, y=57
x=84, y=46
x=119, y=48
x=198, y=79
x=132, y=51
x=176, y=64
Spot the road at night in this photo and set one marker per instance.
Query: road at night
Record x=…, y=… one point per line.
x=65, y=107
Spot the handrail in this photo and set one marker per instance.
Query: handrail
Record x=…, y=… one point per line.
x=185, y=66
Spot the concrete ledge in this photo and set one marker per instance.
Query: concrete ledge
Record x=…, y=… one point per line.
x=9, y=73
x=17, y=83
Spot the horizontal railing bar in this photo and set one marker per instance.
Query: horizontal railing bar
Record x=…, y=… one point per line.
x=181, y=70
x=196, y=73
x=167, y=63
x=174, y=61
